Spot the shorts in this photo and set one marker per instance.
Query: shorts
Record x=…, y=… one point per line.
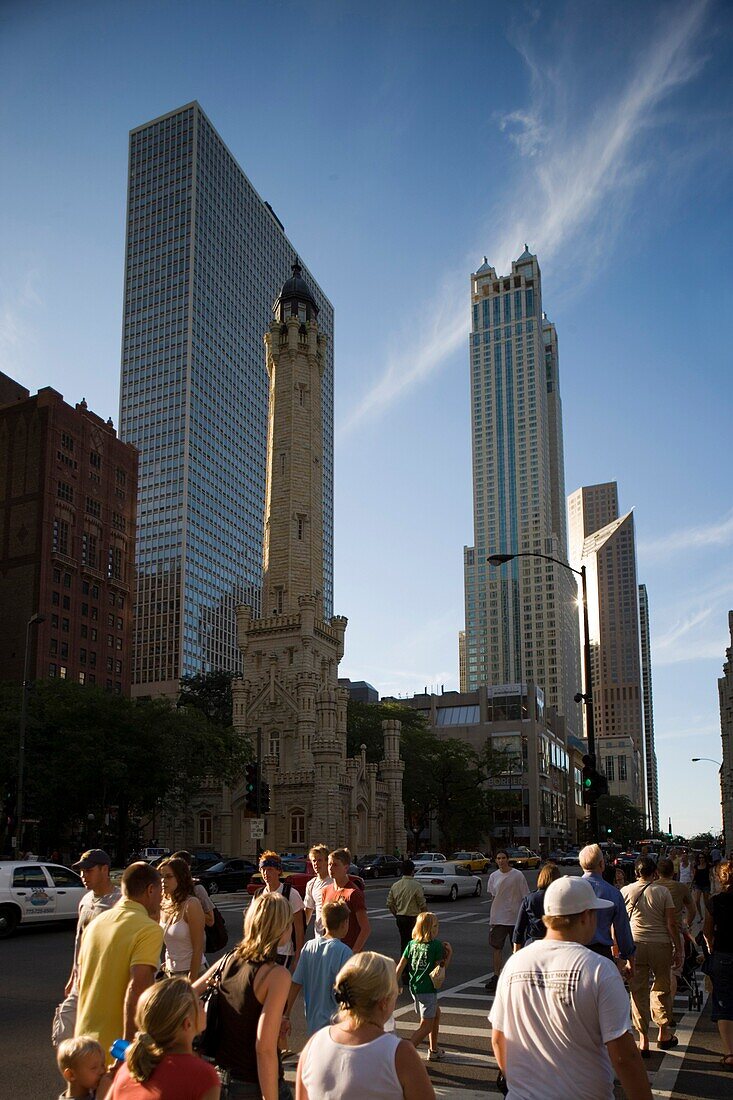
x=426, y=1005
x=498, y=934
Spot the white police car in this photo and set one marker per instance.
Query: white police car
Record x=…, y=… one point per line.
x=33, y=893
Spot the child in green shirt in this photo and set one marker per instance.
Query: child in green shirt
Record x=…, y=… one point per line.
x=423, y=953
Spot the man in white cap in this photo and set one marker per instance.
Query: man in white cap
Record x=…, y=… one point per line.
x=560, y=1020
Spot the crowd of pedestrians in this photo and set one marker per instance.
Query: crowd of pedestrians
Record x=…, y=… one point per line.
x=585, y=956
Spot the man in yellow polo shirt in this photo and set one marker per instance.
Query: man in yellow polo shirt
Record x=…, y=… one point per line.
x=120, y=953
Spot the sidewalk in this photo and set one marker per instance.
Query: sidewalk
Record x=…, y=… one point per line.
x=702, y=1077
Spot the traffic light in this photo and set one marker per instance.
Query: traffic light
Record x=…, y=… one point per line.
x=264, y=797
x=595, y=785
x=251, y=779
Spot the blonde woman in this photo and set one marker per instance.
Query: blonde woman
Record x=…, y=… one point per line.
x=182, y=920
x=253, y=991
x=160, y=1061
x=355, y=1057
x=423, y=953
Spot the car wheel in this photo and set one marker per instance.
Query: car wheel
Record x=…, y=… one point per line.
x=477, y=891
x=375, y=873
x=212, y=887
x=453, y=896
x=9, y=920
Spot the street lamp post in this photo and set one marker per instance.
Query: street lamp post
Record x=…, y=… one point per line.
x=35, y=620
x=587, y=696
x=723, y=784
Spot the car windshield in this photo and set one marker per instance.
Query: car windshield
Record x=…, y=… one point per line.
x=369, y=859
x=216, y=867
x=461, y=855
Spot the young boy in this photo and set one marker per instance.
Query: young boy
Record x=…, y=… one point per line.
x=81, y=1064
x=320, y=961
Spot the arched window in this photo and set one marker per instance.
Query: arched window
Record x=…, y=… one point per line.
x=206, y=823
x=297, y=826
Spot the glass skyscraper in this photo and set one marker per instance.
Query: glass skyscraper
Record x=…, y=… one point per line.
x=521, y=619
x=205, y=259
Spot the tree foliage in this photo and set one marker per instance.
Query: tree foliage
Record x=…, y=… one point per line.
x=445, y=778
x=620, y=820
x=209, y=692
x=96, y=757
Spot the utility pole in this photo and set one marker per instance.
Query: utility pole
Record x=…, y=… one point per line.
x=259, y=785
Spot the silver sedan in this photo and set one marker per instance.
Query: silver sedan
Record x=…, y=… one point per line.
x=447, y=880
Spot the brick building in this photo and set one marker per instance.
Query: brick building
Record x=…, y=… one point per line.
x=68, y=498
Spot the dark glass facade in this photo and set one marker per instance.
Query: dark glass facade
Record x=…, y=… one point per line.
x=205, y=260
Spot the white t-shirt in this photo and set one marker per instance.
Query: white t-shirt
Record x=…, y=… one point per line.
x=558, y=1004
x=686, y=873
x=314, y=899
x=296, y=906
x=507, y=889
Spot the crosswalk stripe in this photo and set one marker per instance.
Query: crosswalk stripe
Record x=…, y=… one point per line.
x=448, y=1029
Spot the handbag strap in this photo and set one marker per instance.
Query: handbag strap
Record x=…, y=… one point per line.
x=638, y=899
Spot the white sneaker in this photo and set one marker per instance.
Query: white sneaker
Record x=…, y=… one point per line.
x=436, y=1055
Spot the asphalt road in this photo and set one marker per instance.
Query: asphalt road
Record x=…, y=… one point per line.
x=34, y=965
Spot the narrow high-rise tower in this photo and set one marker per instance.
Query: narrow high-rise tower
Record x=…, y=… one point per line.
x=608, y=552
x=205, y=258
x=521, y=620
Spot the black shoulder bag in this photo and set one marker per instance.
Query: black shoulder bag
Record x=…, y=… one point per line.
x=208, y=1041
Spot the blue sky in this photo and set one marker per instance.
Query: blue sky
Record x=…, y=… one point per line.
x=400, y=142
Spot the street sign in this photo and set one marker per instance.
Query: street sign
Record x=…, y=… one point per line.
x=257, y=828
x=31, y=821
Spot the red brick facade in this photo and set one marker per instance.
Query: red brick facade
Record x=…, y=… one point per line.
x=68, y=500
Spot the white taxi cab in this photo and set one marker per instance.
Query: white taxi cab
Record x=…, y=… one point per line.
x=33, y=893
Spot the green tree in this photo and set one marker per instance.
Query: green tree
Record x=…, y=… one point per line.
x=444, y=777
x=620, y=820
x=95, y=761
x=209, y=692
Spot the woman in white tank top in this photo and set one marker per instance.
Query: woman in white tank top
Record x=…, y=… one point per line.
x=353, y=1058
x=182, y=919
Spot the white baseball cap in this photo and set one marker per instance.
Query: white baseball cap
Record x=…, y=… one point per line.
x=569, y=895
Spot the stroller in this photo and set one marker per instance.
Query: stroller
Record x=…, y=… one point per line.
x=689, y=981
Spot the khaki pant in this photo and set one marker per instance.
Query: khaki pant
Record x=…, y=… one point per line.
x=654, y=959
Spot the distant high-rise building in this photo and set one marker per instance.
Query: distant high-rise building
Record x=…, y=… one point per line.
x=650, y=753
x=609, y=555
x=68, y=494
x=725, y=694
x=205, y=258
x=521, y=619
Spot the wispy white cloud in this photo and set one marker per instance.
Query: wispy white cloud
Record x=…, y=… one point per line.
x=581, y=182
x=15, y=307
x=718, y=533
x=694, y=627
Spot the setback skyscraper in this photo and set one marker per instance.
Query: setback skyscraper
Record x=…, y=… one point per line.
x=205, y=258
x=521, y=619
x=608, y=552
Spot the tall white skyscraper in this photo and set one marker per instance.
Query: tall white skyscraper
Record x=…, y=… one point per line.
x=521, y=619
x=605, y=543
x=650, y=752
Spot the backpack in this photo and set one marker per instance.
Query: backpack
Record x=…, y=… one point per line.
x=217, y=936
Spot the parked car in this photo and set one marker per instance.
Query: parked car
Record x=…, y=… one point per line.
x=33, y=893
x=375, y=866
x=448, y=880
x=227, y=875
x=474, y=861
x=523, y=858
